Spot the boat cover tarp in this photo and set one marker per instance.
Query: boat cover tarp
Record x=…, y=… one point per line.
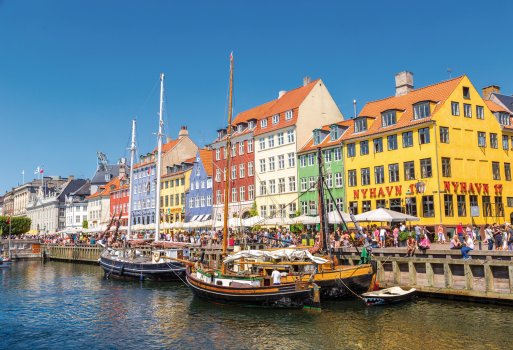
x=289, y=254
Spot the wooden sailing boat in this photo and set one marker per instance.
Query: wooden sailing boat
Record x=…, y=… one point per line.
x=131, y=263
x=253, y=288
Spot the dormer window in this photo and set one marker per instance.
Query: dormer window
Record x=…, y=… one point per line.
x=251, y=124
x=239, y=128
x=317, y=137
x=421, y=110
x=288, y=115
x=263, y=123
x=334, y=132
x=504, y=118
x=360, y=125
x=388, y=118
x=276, y=119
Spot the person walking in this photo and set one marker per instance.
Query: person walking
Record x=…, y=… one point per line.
x=489, y=237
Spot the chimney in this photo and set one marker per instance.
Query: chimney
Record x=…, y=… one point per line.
x=403, y=83
x=281, y=93
x=183, y=132
x=122, y=170
x=168, y=139
x=492, y=89
x=306, y=81
x=71, y=177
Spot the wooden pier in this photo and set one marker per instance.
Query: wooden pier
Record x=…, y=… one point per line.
x=72, y=253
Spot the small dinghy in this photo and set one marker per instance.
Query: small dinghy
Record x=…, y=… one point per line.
x=388, y=296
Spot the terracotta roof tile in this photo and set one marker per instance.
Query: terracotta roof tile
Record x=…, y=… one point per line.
x=327, y=142
x=495, y=107
x=206, y=159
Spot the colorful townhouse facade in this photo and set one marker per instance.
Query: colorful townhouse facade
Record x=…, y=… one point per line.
x=198, y=199
x=437, y=152
x=174, y=184
x=118, y=190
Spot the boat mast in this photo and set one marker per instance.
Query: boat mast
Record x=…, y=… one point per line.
x=228, y=152
x=159, y=155
x=324, y=231
x=130, y=180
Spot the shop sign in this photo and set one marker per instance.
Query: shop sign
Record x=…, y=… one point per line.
x=471, y=187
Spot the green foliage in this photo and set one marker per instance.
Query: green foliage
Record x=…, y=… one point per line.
x=297, y=228
x=403, y=236
x=18, y=226
x=253, y=211
x=85, y=224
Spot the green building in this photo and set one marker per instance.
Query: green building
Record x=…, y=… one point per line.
x=329, y=140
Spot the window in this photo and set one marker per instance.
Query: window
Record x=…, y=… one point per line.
x=380, y=203
x=281, y=185
x=462, y=205
x=448, y=205
x=353, y=208
x=209, y=183
x=234, y=172
x=263, y=211
x=388, y=118
x=479, y=112
x=329, y=180
x=338, y=179
x=317, y=137
x=421, y=110
x=364, y=147
x=504, y=118
x=250, y=145
x=379, y=174
x=262, y=165
x=218, y=153
x=351, y=150
x=276, y=119
x=313, y=207
x=302, y=161
x=428, y=207
x=311, y=159
x=409, y=170
x=263, y=188
x=365, y=172
x=271, y=164
x=241, y=147
x=202, y=201
x=407, y=139
x=424, y=136
x=425, y=168
x=242, y=170
x=281, y=211
x=339, y=204
x=312, y=183
x=333, y=132
x=507, y=171
x=292, y=184
x=444, y=134
x=218, y=197
x=494, y=142
x=481, y=139
x=218, y=175
x=327, y=155
x=304, y=207
x=446, y=167
x=466, y=93
x=288, y=114
x=499, y=207
x=270, y=141
x=272, y=186
x=392, y=142
x=467, y=110
x=496, y=172
x=360, y=125
x=251, y=124
x=250, y=168
x=509, y=202
x=337, y=154
x=303, y=184
x=292, y=160
x=234, y=150
x=197, y=200
x=209, y=200
x=378, y=145
x=411, y=206
x=280, y=139
x=261, y=142
x=242, y=194
x=292, y=209
x=291, y=136
x=366, y=206
x=455, y=108
x=487, y=206
x=351, y=178
x=505, y=142
x=251, y=192
x=393, y=172
x=263, y=123
x=281, y=161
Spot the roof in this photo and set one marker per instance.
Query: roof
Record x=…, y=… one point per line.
x=206, y=159
x=436, y=93
x=495, y=107
x=327, y=142
x=505, y=100
x=84, y=190
x=99, y=176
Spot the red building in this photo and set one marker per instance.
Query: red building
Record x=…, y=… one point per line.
x=119, y=194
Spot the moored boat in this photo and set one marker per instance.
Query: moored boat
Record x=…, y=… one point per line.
x=386, y=296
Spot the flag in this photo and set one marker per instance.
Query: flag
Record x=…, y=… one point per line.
x=149, y=170
x=39, y=170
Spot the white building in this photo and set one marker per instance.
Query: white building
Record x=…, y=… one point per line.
x=76, y=207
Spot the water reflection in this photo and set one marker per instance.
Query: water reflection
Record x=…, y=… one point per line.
x=72, y=306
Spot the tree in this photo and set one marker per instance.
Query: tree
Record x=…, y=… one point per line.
x=253, y=211
x=85, y=224
x=18, y=225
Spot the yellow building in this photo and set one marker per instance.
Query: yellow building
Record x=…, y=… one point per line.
x=437, y=152
x=174, y=183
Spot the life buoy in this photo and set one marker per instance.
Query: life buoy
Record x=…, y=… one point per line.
x=156, y=256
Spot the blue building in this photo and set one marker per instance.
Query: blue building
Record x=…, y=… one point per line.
x=143, y=192
x=198, y=199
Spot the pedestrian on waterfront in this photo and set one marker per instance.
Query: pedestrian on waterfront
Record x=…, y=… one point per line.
x=497, y=236
x=411, y=244
x=337, y=238
x=276, y=276
x=395, y=234
x=382, y=237
x=402, y=227
x=509, y=229
x=505, y=238
x=441, y=234
x=418, y=231
x=459, y=232
x=489, y=237
x=467, y=247
x=455, y=243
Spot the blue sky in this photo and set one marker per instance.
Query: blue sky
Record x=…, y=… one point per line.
x=74, y=73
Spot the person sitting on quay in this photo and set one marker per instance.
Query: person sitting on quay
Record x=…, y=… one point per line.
x=441, y=234
x=424, y=243
x=411, y=244
x=467, y=247
x=455, y=243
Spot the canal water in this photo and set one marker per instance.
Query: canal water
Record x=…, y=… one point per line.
x=65, y=306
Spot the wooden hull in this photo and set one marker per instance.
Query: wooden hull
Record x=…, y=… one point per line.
x=290, y=295
x=125, y=269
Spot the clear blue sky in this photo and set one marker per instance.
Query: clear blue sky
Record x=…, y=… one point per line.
x=74, y=73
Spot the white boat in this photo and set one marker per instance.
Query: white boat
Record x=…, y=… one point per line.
x=388, y=296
